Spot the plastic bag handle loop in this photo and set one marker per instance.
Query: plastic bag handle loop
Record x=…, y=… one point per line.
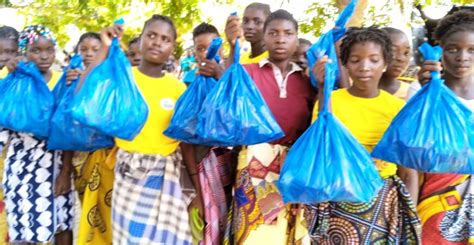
x=432, y=53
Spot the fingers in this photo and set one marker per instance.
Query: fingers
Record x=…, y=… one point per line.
x=233, y=29
x=319, y=69
x=13, y=63
x=424, y=75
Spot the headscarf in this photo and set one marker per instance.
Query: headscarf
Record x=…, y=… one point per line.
x=32, y=33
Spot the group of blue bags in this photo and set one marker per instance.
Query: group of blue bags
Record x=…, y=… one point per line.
x=108, y=104
x=432, y=133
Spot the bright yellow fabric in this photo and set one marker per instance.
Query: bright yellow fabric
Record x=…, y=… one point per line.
x=245, y=58
x=367, y=119
x=3, y=72
x=55, y=76
x=95, y=226
x=161, y=95
x=3, y=213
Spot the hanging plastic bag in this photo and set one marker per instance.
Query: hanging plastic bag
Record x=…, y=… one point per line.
x=26, y=103
x=235, y=113
x=109, y=99
x=327, y=42
x=67, y=133
x=327, y=163
x=434, y=132
x=185, y=118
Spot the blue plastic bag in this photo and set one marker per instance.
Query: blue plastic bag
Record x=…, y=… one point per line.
x=326, y=43
x=67, y=133
x=109, y=99
x=235, y=113
x=26, y=103
x=185, y=118
x=327, y=163
x=434, y=132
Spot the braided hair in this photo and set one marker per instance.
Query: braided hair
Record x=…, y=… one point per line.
x=460, y=21
x=32, y=33
x=364, y=35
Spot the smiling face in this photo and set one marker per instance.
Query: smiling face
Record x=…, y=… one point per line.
x=458, y=55
x=157, y=42
x=252, y=24
x=8, y=50
x=281, y=39
x=42, y=53
x=365, y=65
x=88, y=50
x=401, y=55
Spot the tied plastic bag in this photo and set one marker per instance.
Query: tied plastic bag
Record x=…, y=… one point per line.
x=327, y=42
x=327, y=163
x=67, y=133
x=185, y=118
x=235, y=113
x=434, y=132
x=26, y=103
x=109, y=99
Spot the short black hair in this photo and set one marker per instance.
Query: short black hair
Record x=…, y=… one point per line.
x=391, y=30
x=363, y=35
x=86, y=35
x=280, y=14
x=304, y=41
x=10, y=33
x=265, y=8
x=458, y=22
x=165, y=19
x=133, y=41
x=204, y=28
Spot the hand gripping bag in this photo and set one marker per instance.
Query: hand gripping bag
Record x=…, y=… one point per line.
x=185, y=118
x=434, y=132
x=327, y=163
x=67, y=133
x=235, y=113
x=26, y=103
x=318, y=49
x=109, y=99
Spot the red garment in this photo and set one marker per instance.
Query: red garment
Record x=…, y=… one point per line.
x=292, y=113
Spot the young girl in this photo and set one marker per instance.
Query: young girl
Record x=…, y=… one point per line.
x=8, y=51
x=446, y=200
x=133, y=54
x=300, y=55
x=255, y=15
x=401, y=57
x=148, y=205
x=260, y=217
x=37, y=181
x=367, y=112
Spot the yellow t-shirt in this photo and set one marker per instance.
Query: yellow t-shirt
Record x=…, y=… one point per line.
x=367, y=119
x=3, y=72
x=245, y=58
x=55, y=76
x=161, y=95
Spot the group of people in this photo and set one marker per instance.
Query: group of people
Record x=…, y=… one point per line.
x=156, y=190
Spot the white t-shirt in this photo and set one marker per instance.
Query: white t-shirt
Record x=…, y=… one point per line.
x=468, y=103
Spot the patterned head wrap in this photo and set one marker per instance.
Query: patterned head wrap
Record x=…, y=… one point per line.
x=31, y=34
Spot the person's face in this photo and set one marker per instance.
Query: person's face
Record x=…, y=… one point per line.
x=401, y=55
x=458, y=54
x=134, y=55
x=365, y=65
x=299, y=57
x=281, y=39
x=42, y=53
x=157, y=42
x=252, y=24
x=201, y=45
x=88, y=49
x=8, y=50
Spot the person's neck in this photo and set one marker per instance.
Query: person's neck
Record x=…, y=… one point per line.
x=364, y=93
x=390, y=84
x=151, y=69
x=463, y=87
x=47, y=75
x=283, y=65
x=257, y=49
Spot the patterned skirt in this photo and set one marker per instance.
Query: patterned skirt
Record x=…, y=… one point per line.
x=148, y=204
x=390, y=218
x=446, y=209
x=34, y=214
